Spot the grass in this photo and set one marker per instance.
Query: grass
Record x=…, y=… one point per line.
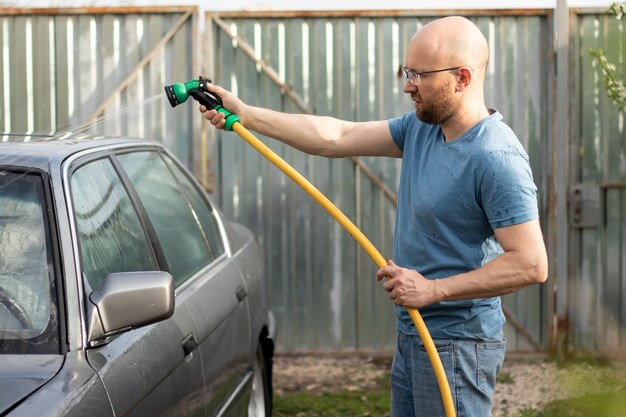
x=344, y=404
x=592, y=405
x=371, y=402
x=504, y=378
x=593, y=387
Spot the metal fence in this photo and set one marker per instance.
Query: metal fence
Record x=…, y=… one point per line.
x=347, y=65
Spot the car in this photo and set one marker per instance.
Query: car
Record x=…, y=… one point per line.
x=124, y=291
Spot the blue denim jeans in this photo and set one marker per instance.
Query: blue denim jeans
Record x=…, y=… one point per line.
x=471, y=367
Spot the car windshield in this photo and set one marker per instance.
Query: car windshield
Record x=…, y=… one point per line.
x=28, y=312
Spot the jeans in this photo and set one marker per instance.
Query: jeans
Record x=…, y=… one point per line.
x=471, y=367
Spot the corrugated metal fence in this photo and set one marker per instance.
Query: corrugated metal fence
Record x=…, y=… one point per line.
x=347, y=65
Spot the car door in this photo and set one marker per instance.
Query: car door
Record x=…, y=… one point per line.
x=208, y=281
x=148, y=371
x=220, y=302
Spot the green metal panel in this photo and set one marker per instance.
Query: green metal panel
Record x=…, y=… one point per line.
x=322, y=285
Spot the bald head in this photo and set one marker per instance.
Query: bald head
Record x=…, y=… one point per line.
x=448, y=42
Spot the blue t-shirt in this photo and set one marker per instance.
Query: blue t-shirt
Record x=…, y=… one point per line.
x=452, y=196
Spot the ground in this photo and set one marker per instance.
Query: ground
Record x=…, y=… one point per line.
x=525, y=382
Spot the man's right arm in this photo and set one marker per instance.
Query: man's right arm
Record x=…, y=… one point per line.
x=316, y=135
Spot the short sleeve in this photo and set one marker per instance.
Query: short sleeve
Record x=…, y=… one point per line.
x=508, y=194
x=399, y=127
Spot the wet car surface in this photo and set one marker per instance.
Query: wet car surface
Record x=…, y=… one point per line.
x=123, y=289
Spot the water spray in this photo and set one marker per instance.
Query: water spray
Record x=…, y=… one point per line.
x=179, y=93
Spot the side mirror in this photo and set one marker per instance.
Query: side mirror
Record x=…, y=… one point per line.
x=127, y=300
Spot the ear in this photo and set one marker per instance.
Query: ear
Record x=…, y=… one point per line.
x=465, y=78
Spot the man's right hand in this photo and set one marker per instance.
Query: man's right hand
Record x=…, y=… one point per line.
x=230, y=101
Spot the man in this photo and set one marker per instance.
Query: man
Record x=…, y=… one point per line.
x=467, y=228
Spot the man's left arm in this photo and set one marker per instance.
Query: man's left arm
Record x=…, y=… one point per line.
x=523, y=263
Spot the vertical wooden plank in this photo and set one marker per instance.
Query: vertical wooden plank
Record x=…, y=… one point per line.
x=386, y=82
x=182, y=53
x=62, y=72
x=277, y=216
x=364, y=292
x=587, y=291
x=319, y=59
x=277, y=205
x=17, y=61
x=614, y=155
x=170, y=117
x=156, y=26
x=487, y=26
x=83, y=79
x=227, y=147
x=372, y=225
x=526, y=305
x=97, y=75
x=110, y=49
x=622, y=260
x=542, y=166
x=182, y=43
x=249, y=83
x=611, y=326
x=5, y=74
x=513, y=339
x=176, y=64
x=620, y=174
x=294, y=206
x=530, y=306
x=298, y=225
x=518, y=120
x=345, y=278
x=134, y=41
x=42, y=81
x=321, y=81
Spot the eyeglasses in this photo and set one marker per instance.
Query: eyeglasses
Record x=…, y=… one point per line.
x=415, y=78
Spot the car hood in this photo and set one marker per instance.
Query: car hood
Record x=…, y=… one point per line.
x=21, y=375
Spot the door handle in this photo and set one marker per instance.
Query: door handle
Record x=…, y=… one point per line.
x=241, y=293
x=189, y=344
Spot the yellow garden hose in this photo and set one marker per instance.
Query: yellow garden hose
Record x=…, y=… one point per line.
x=179, y=92
x=379, y=260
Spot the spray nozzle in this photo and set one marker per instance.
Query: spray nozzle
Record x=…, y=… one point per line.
x=178, y=93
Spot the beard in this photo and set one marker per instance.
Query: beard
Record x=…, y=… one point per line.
x=439, y=108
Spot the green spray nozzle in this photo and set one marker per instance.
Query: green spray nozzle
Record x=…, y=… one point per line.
x=178, y=93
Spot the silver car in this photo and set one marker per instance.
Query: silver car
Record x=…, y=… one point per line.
x=123, y=289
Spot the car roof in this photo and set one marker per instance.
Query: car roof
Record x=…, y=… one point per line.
x=39, y=151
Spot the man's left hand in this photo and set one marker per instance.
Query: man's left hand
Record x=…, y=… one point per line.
x=407, y=287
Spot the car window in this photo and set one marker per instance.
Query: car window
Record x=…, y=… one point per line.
x=205, y=212
x=172, y=215
x=110, y=235
x=28, y=311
